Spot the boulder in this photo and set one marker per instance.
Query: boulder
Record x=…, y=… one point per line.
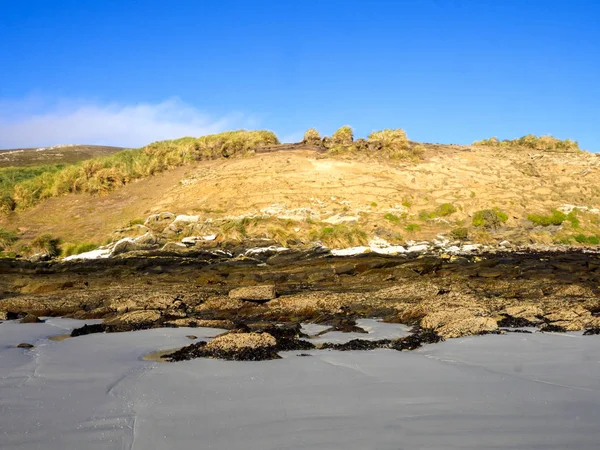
x=254, y=293
x=25, y=345
x=234, y=342
x=30, y=318
x=3, y=315
x=174, y=247
x=125, y=245
x=148, y=240
x=458, y=322
x=136, y=317
x=158, y=222
x=183, y=220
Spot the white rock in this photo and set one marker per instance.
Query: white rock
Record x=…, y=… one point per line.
x=94, y=254
x=418, y=248
x=349, y=251
x=504, y=244
x=453, y=250
x=209, y=237
x=470, y=248
x=338, y=218
x=391, y=250
x=184, y=219
x=272, y=248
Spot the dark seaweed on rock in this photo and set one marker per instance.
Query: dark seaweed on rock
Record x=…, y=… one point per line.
x=358, y=344
x=416, y=340
x=88, y=329
x=198, y=350
x=592, y=331
x=549, y=328
x=516, y=322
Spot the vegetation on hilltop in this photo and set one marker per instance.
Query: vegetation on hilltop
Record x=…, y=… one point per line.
x=530, y=141
x=27, y=187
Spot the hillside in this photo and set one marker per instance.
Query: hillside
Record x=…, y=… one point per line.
x=482, y=193
x=58, y=154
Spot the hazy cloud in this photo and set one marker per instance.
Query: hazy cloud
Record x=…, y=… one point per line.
x=35, y=123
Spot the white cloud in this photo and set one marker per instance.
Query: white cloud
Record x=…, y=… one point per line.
x=31, y=123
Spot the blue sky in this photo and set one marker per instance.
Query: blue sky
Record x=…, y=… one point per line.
x=130, y=72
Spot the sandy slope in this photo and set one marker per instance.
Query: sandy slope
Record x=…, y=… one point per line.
x=492, y=392
x=470, y=178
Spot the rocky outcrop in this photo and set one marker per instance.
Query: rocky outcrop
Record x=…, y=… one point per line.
x=158, y=222
x=254, y=293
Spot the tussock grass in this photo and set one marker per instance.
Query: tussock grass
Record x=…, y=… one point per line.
x=343, y=136
x=556, y=218
x=77, y=248
x=312, y=136
x=100, y=175
x=530, y=141
x=443, y=210
x=394, y=144
x=48, y=244
x=339, y=236
x=489, y=218
x=7, y=238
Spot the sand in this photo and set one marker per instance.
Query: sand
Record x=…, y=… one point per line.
x=513, y=391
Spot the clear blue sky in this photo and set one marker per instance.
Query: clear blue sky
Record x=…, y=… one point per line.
x=446, y=71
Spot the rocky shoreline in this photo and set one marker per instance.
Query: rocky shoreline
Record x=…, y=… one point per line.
x=448, y=296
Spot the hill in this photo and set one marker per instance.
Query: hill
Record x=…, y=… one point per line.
x=58, y=154
x=295, y=195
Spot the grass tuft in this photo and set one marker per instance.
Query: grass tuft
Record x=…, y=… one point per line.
x=530, y=141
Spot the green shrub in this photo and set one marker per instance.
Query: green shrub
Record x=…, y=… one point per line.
x=343, y=136
x=48, y=244
x=530, y=141
x=583, y=239
x=7, y=238
x=489, y=218
x=443, y=210
x=556, y=218
x=572, y=217
x=76, y=249
x=374, y=204
x=460, y=233
x=412, y=227
x=392, y=218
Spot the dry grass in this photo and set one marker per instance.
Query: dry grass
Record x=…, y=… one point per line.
x=101, y=175
x=530, y=141
x=312, y=136
x=343, y=136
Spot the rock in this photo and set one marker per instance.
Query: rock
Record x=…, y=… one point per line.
x=25, y=345
x=209, y=237
x=190, y=241
x=173, y=247
x=505, y=244
x=39, y=257
x=254, y=293
x=529, y=313
x=234, y=342
x=30, y=318
x=458, y=322
x=191, y=336
x=349, y=251
x=339, y=218
x=183, y=220
x=125, y=245
x=136, y=317
x=158, y=222
x=470, y=248
x=3, y=315
x=148, y=240
x=418, y=248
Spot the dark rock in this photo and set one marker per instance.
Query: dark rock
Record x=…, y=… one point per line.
x=88, y=329
x=25, y=345
x=549, y=328
x=592, y=331
x=357, y=344
x=416, y=340
x=30, y=318
x=516, y=322
x=191, y=336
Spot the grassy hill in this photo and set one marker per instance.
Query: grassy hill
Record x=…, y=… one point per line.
x=348, y=192
x=60, y=154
